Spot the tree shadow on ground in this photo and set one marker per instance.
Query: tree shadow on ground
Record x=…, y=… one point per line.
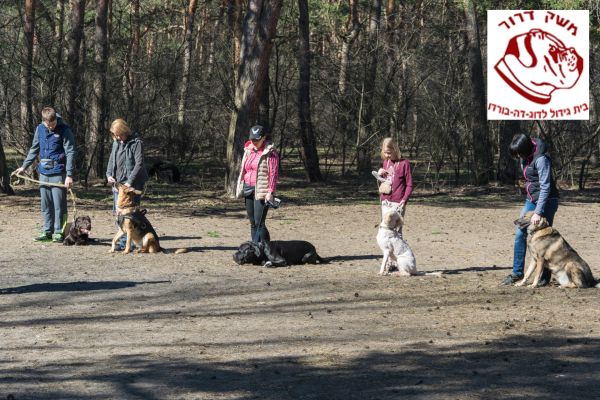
x=81, y=286
x=550, y=364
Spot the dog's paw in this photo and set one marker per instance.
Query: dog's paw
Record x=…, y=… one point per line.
x=112, y=250
x=268, y=264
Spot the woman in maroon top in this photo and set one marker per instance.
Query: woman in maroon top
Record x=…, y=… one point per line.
x=396, y=170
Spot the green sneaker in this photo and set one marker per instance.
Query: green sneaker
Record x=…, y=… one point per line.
x=58, y=238
x=43, y=237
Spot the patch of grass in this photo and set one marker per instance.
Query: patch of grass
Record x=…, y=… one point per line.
x=213, y=234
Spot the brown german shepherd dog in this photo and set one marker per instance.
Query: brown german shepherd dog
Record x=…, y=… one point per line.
x=548, y=248
x=133, y=222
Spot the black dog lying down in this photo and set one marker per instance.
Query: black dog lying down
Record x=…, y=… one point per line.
x=277, y=253
x=79, y=232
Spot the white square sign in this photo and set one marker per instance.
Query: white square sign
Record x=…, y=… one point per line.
x=538, y=64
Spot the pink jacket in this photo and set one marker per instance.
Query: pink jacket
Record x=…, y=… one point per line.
x=260, y=168
x=402, y=185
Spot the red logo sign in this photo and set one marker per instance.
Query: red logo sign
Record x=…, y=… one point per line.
x=538, y=64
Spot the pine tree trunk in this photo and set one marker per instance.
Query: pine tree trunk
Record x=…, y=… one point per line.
x=4, y=173
x=130, y=81
x=310, y=156
x=98, y=117
x=260, y=24
x=482, y=154
x=507, y=166
x=75, y=96
x=26, y=74
x=55, y=81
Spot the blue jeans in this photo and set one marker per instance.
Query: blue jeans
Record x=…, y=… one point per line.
x=53, y=203
x=136, y=201
x=257, y=214
x=521, y=234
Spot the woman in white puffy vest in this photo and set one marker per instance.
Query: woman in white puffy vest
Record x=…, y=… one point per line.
x=258, y=180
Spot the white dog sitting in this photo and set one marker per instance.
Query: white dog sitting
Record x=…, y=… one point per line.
x=395, y=249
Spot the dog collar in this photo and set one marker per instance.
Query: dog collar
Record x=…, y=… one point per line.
x=386, y=227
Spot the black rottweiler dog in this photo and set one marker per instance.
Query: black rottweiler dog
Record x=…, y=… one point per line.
x=79, y=232
x=277, y=253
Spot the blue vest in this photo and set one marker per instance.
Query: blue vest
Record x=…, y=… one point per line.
x=530, y=172
x=52, y=152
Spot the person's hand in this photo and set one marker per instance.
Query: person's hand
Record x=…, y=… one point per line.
x=19, y=170
x=269, y=197
x=536, y=218
x=402, y=203
x=69, y=182
x=111, y=180
x=382, y=172
x=127, y=184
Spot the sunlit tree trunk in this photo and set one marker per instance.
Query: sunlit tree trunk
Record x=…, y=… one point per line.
x=260, y=24
x=367, y=120
x=343, y=116
x=183, y=138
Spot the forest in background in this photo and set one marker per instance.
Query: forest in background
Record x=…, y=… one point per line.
x=328, y=78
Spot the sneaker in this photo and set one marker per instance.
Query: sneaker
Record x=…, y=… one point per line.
x=43, y=237
x=510, y=280
x=58, y=238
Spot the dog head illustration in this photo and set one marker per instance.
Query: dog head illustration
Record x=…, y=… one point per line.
x=537, y=63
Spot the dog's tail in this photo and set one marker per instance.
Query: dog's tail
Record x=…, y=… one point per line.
x=180, y=250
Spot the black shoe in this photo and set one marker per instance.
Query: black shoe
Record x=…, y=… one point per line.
x=510, y=280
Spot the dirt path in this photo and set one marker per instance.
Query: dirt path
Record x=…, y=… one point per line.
x=79, y=322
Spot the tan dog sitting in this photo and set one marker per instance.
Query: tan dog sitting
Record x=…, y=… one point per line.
x=133, y=222
x=548, y=248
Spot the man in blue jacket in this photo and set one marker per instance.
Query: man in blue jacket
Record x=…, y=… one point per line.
x=53, y=142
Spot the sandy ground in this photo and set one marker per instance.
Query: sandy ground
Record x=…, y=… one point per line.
x=78, y=322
